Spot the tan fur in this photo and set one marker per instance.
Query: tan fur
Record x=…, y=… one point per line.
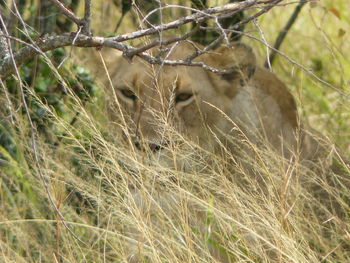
x=252, y=97
x=247, y=102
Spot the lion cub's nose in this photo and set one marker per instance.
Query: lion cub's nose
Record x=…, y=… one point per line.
x=154, y=147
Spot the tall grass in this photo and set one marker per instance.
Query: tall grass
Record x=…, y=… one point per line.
x=123, y=204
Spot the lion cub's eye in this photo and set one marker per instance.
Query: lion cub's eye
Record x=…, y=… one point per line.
x=128, y=93
x=183, y=97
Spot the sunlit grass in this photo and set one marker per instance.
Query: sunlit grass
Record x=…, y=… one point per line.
x=122, y=203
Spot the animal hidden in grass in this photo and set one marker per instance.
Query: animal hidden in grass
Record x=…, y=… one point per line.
x=245, y=103
x=244, y=114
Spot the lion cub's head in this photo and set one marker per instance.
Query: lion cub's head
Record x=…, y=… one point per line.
x=185, y=98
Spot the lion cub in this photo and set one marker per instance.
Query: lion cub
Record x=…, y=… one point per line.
x=247, y=107
x=247, y=102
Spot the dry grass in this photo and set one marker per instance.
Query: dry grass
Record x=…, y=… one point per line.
x=123, y=204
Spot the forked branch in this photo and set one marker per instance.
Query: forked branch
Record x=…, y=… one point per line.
x=83, y=37
x=83, y=23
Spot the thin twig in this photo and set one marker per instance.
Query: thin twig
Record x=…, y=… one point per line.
x=197, y=17
x=256, y=15
x=45, y=44
x=303, y=68
x=205, y=49
x=282, y=35
x=82, y=23
x=67, y=12
x=265, y=42
x=131, y=53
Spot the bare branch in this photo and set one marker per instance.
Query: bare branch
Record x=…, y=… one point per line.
x=51, y=43
x=131, y=53
x=87, y=18
x=4, y=50
x=67, y=12
x=83, y=40
x=4, y=42
x=197, y=17
x=206, y=49
x=45, y=44
x=82, y=23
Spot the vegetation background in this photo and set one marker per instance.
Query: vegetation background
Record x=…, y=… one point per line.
x=79, y=163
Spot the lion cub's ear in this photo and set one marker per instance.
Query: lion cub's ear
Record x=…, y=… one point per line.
x=238, y=60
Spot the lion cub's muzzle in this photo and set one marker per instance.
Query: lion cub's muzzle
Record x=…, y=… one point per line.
x=146, y=143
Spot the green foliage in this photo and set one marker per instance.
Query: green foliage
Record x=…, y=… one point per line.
x=38, y=79
x=7, y=142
